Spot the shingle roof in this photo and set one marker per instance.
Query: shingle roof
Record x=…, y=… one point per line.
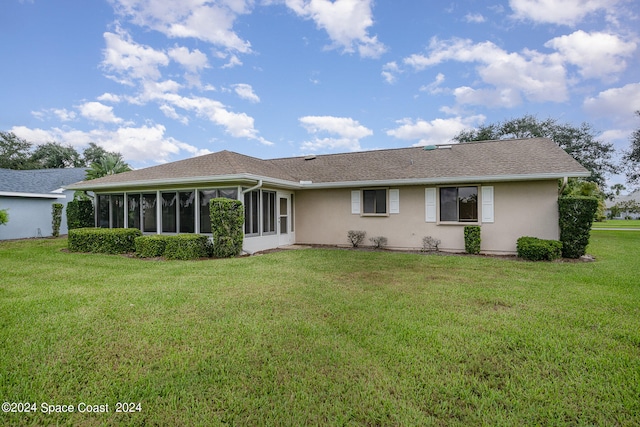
x=38, y=181
x=509, y=159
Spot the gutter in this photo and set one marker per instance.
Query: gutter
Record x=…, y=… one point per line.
x=255, y=187
x=32, y=195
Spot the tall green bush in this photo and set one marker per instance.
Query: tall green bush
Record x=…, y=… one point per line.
x=56, y=220
x=80, y=214
x=576, y=217
x=227, y=222
x=472, y=239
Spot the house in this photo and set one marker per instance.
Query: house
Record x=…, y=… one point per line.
x=622, y=201
x=28, y=195
x=507, y=187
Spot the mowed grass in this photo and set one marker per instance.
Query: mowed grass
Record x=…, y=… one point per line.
x=322, y=337
x=618, y=223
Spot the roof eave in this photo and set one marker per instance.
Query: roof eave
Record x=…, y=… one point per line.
x=32, y=195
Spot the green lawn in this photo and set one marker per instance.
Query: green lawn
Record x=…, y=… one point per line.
x=618, y=223
x=322, y=337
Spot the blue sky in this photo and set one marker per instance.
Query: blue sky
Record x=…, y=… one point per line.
x=165, y=80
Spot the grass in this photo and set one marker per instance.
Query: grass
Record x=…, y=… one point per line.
x=618, y=223
x=322, y=337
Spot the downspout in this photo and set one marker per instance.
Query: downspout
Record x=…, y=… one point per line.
x=255, y=187
x=565, y=181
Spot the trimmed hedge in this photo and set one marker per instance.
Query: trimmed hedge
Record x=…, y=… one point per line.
x=80, y=214
x=472, y=239
x=56, y=218
x=103, y=240
x=534, y=249
x=576, y=217
x=179, y=246
x=227, y=225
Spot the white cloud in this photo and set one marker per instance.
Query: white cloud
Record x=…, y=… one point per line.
x=345, y=21
x=245, y=91
x=597, y=55
x=434, y=87
x=561, y=12
x=199, y=19
x=171, y=112
x=345, y=133
x=192, y=61
x=130, y=60
x=437, y=131
x=109, y=97
x=141, y=144
x=617, y=104
x=529, y=74
x=390, y=70
x=475, y=18
x=98, y=112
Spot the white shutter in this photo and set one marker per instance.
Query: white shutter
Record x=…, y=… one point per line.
x=355, y=202
x=487, y=204
x=394, y=201
x=430, y=204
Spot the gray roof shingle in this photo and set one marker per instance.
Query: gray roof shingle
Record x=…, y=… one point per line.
x=522, y=158
x=38, y=181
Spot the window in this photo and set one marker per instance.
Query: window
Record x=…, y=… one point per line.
x=133, y=203
x=205, y=198
x=251, y=212
x=117, y=211
x=268, y=212
x=103, y=211
x=169, y=220
x=149, y=212
x=187, y=211
x=375, y=201
x=459, y=204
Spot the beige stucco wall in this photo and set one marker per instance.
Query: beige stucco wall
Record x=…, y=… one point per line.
x=521, y=209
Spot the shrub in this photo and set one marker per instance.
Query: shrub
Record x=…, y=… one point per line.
x=150, y=246
x=4, y=216
x=356, y=237
x=227, y=224
x=186, y=246
x=80, y=214
x=576, y=217
x=56, y=220
x=378, y=242
x=472, y=239
x=103, y=240
x=429, y=243
x=534, y=249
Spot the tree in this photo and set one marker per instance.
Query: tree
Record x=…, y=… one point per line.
x=53, y=155
x=4, y=216
x=631, y=158
x=580, y=142
x=618, y=188
x=93, y=153
x=14, y=152
x=109, y=164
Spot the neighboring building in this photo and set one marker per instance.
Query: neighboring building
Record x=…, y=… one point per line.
x=620, y=201
x=28, y=196
x=508, y=187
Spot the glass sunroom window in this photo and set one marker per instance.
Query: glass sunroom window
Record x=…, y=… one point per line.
x=205, y=198
x=169, y=219
x=133, y=205
x=251, y=212
x=268, y=212
x=117, y=211
x=103, y=210
x=149, y=214
x=187, y=211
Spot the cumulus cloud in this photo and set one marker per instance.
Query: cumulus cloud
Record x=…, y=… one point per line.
x=344, y=133
x=207, y=21
x=475, y=18
x=135, y=143
x=390, y=72
x=561, y=12
x=618, y=104
x=130, y=60
x=345, y=21
x=109, y=97
x=245, y=91
x=597, y=54
x=437, y=131
x=529, y=74
x=193, y=61
x=434, y=87
x=98, y=112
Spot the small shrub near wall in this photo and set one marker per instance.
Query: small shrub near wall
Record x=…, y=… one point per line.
x=534, y=249
x=227, y=224
x=356, y=237
x=576, y=217
x=103, y=240
x=379, y=242
x=472, y=239
x=56, y=213
x=80, y=214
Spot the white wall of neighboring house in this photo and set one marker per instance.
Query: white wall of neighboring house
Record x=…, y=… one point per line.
x=32, y=216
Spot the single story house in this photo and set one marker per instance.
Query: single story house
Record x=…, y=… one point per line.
x=28, y=196
x=632, y=198
x=507, y=187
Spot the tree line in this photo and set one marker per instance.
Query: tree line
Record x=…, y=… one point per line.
x=20, y=154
